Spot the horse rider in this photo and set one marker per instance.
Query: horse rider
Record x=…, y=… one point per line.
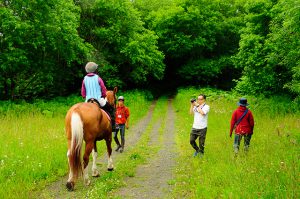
x=93, y=87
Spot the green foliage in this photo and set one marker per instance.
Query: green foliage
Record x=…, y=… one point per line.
x=39, y=42
x=115, y=29
x=145, y=7
x=186, y=28
x=57, y=106
x=204, y=71
x=196, y=35
x=285, y=44
x=258, y=76
x=44, y=45
x=269, y=48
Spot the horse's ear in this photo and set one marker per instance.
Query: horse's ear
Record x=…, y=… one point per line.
x=115, y=90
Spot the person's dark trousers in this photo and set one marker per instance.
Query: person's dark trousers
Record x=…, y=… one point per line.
x=117, y=140
x=195, y=133
x=120, y=127
x=237, y=141
x=111, y=111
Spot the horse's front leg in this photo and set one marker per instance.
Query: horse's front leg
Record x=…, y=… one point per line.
x=88, y=149
x=95, y=172
x=110, y=165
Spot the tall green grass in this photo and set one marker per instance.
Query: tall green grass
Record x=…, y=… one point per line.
x=269, y=170
x=33, y=148
x=33, y=143
x=138, y=103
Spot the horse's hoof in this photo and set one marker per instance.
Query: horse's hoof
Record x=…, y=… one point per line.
x=110, y=169
x=87, y=182
x=95, y=174
x=70, y=186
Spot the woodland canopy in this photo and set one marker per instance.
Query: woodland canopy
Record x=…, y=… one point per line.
x=252, y=46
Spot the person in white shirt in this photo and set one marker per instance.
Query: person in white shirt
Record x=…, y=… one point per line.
x=200, y=110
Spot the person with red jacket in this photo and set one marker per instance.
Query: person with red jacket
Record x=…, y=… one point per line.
x=122, y=121
x=242, y=121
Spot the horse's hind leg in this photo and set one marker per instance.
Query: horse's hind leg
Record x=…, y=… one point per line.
x=95, y=172
x=71, y=181
x=88, y=149
x=110, y=165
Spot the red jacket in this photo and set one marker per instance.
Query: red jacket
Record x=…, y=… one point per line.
x=246, y=126
x=122, y=113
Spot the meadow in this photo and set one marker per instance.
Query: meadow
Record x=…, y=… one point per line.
x=33, y=148
x=269, y=170
x=33, y=142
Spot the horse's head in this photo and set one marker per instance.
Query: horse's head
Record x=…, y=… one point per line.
x=111, y=97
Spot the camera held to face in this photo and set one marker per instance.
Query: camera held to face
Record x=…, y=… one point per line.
x=193, y=100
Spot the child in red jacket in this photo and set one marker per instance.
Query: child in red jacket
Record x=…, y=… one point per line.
x=242, y=122
x=122, y=121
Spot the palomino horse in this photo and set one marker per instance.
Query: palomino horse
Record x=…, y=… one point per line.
x=86, y=121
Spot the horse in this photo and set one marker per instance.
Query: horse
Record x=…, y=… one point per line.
x=86, y=121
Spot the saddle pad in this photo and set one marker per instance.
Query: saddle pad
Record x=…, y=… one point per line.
x=108, y=117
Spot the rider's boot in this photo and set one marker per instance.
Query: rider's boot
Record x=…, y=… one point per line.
x=109, y=109
x=106, y=108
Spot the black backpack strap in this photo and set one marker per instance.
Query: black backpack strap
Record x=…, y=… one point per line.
x=240, y=119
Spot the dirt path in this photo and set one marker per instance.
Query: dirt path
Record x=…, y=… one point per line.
x=152, y=180
x=58, y=190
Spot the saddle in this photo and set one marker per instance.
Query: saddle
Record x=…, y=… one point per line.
x=107, y=112
x=94, y=101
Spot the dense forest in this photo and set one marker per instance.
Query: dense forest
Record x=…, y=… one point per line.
x=251, y=46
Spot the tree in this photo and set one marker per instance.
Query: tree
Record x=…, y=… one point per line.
x=269, y=48
x=127, y=51
x=258, y=76
x=198, y=38
x=284, y=45
x=39, y=43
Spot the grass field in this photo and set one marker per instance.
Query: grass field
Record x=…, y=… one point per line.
x=33, y=142
x=33, y=148
x=269, y=170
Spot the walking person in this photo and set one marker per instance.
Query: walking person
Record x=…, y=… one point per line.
x=122, y=122
x=93, y=87
x=200, y=110
x=242, y=122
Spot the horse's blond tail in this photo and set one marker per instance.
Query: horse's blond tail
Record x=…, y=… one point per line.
x=76, y=144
